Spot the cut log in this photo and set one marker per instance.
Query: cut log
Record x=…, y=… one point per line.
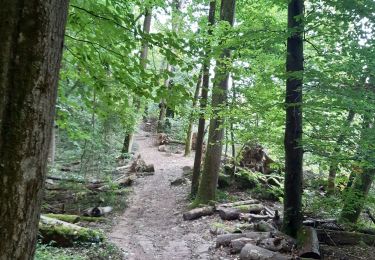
x=198, y=212
x=250, y=208
x=309, y=247
x=333, y=237
x=238, y=203
x=97, y=211
x=65, y=234
x=236, y=245
x=224, y=240
x=229, y=214
x=253, y=252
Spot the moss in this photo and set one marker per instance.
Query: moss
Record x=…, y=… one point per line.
x=64, y=217
x=67, y=236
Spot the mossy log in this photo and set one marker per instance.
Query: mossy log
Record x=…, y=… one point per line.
x=74, y=218
x=309, y=243
x=64, y=217
x=251, y=208
x=333, y=237
x=64, y=234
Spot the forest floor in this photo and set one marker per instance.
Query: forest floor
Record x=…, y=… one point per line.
x=152, y=226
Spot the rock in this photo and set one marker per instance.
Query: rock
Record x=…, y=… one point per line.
x=263, y=226
x=178, y=181
x=236, y=245
x=253, y=252
x=229, y=213
x=162, y=148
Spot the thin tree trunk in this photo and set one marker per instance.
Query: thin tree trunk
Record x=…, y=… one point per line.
x=128, y=140
x=356, y=196
x=52, y=147
x=208, y=184
x=163, y=108
x=31, y=40
x=232, y=131
x=203, y=104
x=293, y=125
x=189, y=132
x=333, y=167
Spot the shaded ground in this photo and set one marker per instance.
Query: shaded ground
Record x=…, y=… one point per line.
x=152, y=226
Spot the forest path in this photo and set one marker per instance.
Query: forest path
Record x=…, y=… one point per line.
x=152, y=226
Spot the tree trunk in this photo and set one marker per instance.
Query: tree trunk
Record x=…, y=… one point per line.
x=31, y=40
x=333, y=167
x=356, y=196
x=203, y=104
x=207, y=187
x=293, y=125
x=191, y=119
x=128, y=140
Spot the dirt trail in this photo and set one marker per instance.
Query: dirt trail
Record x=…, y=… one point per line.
x=152, y=225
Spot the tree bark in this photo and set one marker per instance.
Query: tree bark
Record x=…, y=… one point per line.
x=31, y=40
x=203, y=104
x=189, y=132
x=293, y=125
x=207, y=187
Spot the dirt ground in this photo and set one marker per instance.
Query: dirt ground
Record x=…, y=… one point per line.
x=152, y=227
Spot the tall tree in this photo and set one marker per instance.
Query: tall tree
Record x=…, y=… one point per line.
x=293, y=124
x=128, y=141
x=203, y=103
x=207, y=186
x=31, y=39
x=189, y=132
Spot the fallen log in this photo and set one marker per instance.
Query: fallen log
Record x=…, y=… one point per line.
x=229, y=214
x=250, y=208
x=236, y=245
x=237, y=203
x=74, y=218
x=65, y=234
x=333, y=237
x=309, y=243
x=64, y=217
x=253, y=252
x=225, y=239
x=198, y=212
x=97, y=211
x=254, y=217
